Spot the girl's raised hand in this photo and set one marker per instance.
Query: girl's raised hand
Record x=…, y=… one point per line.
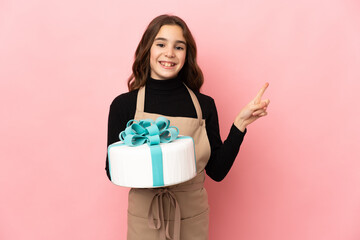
x=255, y=109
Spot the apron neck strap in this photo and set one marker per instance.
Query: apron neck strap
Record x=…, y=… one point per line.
x=140, y=99
x=140, y=102
x=196, y=105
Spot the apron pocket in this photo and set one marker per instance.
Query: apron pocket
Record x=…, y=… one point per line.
x=193, y=228
x=138, y=229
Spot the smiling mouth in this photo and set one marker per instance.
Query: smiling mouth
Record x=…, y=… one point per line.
x=167, y=64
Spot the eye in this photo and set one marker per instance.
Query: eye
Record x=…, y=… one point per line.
x=179, y=48
x=160, y=45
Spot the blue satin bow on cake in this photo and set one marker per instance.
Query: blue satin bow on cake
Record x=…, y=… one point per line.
x=148, y=131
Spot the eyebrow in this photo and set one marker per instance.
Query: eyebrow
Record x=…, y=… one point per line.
x=164, y=39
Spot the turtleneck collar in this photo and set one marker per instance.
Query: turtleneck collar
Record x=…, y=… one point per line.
x=169, y=84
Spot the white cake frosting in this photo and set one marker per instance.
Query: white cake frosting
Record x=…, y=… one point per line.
x=133, y=167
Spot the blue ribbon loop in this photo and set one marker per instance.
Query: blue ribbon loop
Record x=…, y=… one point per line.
x=148, y=131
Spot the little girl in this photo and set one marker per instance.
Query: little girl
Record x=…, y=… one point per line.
x=166, y=80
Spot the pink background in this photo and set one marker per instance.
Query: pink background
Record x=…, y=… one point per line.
x=297, y=175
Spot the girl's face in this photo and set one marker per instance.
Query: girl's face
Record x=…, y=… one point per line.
x=168, y=52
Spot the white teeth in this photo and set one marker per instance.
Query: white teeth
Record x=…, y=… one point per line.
x=166, y=64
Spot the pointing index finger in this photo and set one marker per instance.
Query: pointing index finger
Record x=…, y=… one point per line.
x=261, y=92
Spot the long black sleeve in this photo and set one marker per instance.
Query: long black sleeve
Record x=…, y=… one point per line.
x=171, y=98
x=222, y=154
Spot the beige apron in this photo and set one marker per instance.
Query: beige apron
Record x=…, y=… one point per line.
x=179, y=212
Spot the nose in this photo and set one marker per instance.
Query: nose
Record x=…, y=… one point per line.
x=170, y=52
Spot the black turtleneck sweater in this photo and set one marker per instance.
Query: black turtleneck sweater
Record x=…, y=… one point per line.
x=171, y=98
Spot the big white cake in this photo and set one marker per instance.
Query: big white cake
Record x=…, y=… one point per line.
x=147, y=166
